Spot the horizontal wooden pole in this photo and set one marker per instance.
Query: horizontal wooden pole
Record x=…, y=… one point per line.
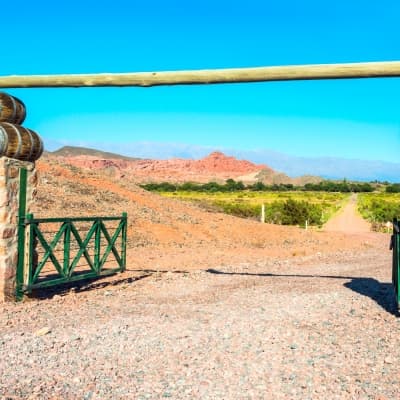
x=232, y=75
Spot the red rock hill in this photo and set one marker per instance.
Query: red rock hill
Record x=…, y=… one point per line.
x=215, y=166
x=220, y=163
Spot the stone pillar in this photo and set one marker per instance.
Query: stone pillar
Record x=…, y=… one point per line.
x=9, y=206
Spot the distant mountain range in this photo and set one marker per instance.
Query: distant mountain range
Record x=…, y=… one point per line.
x=327, y=167
x=293, y=166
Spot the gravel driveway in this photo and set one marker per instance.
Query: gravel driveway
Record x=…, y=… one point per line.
x=318, y=327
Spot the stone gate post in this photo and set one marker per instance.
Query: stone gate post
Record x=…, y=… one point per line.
x=9, y=206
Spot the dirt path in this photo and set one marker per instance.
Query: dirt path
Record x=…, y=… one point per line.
x=348, y=219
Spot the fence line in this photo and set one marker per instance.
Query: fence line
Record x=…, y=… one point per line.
x=232, y=75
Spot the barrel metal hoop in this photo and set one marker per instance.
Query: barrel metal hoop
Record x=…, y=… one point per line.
x=17, y=152
x=23, y=113
x=30, y=133
x=14, y=108
x=3, y=141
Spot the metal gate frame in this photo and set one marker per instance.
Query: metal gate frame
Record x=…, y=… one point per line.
x=29, y=235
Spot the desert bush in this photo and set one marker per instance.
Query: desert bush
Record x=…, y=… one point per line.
x=297, y=212
x=242, y=210
x=292, y=212
x=159, y=187
x=381, y=211
x=395, y=188
x=289, y=212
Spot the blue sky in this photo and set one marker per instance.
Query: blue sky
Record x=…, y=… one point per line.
x=349, y=118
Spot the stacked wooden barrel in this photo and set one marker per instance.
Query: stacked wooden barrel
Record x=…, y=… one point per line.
x=17, y=141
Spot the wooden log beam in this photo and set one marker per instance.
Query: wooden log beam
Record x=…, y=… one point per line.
x=232, y=75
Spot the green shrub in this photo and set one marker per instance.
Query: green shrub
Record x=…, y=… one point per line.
x=292, y=212
x=239, y=209
x=289, y=212
x=380, y=211
x=298, y=212
x=395, y=188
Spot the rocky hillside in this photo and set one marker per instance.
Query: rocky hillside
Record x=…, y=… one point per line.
x=268, y=176
x=216, y=166
x=73, y=151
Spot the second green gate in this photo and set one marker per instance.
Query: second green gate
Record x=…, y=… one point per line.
x=395, y=247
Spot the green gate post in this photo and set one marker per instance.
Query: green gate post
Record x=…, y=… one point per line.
x=124, y=235
x=31, y=264
x=19, y=292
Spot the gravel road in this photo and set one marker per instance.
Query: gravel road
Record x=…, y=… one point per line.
x=312, y=327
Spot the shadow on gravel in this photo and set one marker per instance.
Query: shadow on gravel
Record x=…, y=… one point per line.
x=382, y=293
x=214, y=271
x=95, y=283
x=84, y=286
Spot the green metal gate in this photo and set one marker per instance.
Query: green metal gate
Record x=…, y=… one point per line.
x=395, y=247
x=53, y=251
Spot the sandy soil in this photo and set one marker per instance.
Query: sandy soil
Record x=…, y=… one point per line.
x=348, y=219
